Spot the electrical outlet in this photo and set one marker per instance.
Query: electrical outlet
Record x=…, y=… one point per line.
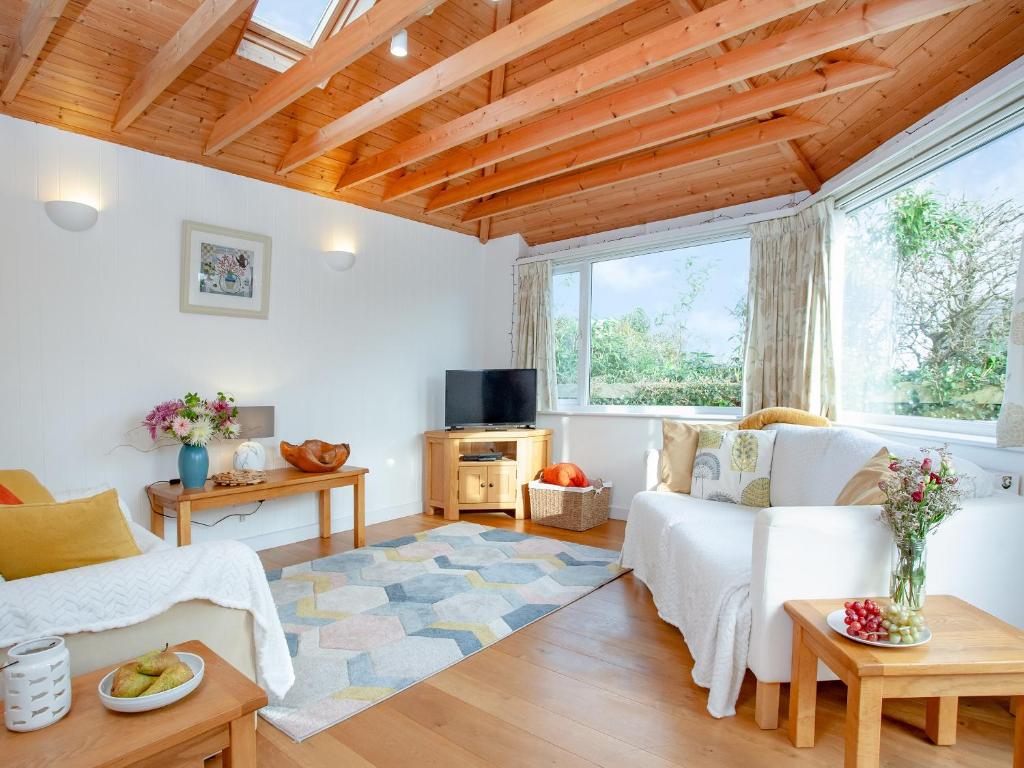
x=1007, y=482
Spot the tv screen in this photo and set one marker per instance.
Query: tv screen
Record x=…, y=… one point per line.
x=492, y=397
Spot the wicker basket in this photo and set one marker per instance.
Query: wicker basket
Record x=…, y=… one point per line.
x=576, y=509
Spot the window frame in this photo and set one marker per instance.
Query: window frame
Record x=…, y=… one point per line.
x=278, y=51
x=583, y=264
x=969, y=132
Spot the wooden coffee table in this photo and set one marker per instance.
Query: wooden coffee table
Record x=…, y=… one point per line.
x=218, y=717
x=971, y=653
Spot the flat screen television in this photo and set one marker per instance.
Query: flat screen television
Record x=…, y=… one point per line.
x=495, y=397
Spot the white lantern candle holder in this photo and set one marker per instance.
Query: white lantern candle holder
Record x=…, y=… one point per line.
x=38, y=687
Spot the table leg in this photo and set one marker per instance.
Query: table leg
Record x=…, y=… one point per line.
x=184, y=523
x=1017, y=704
x=359, y=512
x=940, y=719
x=156, y=520
x=451, y=504
x=325, y=513
x=863, y=722
x=241, y=753
x=803, y=691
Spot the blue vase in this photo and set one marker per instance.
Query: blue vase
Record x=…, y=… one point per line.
x=193, y=466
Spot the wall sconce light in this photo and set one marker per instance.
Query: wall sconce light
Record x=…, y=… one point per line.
x=69, y=215
x=400, y=44
x=339, y=261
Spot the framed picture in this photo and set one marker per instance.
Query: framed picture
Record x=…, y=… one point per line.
x=224, y=271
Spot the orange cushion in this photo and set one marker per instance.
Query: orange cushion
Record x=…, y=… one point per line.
x=565, y=475
x=7, y=496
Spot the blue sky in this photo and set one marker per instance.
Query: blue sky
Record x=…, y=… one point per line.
x=654, y=282
x=992, y=172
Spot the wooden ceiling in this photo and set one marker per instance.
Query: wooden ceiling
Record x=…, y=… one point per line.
x=550, y=118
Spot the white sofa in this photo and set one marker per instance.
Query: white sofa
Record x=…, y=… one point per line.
x=721, y=572
x=215, y=592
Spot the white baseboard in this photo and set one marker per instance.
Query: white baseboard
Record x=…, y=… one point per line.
x=618, y=513
x=304, y=532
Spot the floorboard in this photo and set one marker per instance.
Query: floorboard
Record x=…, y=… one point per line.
x=602, y=682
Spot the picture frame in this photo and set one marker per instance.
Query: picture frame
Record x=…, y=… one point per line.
x=224, y=271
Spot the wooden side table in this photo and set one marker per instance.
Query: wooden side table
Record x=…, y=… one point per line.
x=280, y=482
x=971, y=653
x=218, y=717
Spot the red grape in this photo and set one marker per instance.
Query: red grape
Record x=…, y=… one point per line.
x=851, y=631
x=847, y=619
x=855, y=626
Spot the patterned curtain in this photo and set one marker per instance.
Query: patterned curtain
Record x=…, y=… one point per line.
x=1010, y=428
x=789, y=353
x=534, y=340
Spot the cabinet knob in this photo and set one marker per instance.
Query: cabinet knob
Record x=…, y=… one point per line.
x=490, y=485
x=482, y=485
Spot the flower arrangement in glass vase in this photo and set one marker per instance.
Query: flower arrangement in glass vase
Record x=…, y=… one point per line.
x=194, y=421
x=919, y=497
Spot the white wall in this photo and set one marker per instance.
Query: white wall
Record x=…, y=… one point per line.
x=91, y=335
x=611, y=447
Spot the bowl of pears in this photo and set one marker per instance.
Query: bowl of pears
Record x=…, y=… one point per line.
x=151, y=681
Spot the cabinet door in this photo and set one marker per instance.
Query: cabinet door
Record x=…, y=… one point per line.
x=472, y=485
x=501, y=484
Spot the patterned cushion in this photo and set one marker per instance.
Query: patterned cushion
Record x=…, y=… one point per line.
x=734, y=466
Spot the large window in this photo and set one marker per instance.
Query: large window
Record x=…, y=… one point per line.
x=657, y=329
x=928, y=288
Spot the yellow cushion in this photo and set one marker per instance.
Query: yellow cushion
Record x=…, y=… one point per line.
x=24, y=485
x=43, y=538
x=863, y=486
x=764, y=417
x=678, y=449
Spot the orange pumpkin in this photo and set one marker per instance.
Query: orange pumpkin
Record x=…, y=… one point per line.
x=565, y=475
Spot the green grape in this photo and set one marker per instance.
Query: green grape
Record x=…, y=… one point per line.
x=894, y=639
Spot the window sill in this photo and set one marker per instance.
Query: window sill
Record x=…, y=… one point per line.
x=684, y=413
x=729, y=415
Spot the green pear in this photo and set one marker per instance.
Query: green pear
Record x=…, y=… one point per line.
x=170, y=678
x=129, y=682
x=156, y=662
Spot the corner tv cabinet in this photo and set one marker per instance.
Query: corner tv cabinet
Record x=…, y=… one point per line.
x=452, y=485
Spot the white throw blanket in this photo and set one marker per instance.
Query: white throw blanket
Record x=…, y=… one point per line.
x=129, y=591
x=694, y=556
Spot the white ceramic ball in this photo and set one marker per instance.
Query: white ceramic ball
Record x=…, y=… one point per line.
x=250, y=455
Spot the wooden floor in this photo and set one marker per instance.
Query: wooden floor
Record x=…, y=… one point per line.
x=601, y=682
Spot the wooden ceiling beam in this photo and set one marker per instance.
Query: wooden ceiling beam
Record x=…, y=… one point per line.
x=333, y=54
x=502, y=16
x=789, y=149
x=39, y=22
x=204, y=26
x=813, y=38
x=634, y=57
x=532, y=31
x=826, y=81
x=662, y=159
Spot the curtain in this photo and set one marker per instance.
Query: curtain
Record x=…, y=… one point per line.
x=1010, y=428
x=534, y=340
x=789, y=350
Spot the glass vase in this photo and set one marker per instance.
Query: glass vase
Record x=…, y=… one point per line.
x=907, y=578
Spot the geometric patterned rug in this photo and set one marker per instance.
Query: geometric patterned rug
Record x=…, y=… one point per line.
x=365, y=624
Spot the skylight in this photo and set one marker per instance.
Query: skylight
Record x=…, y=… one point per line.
x=300, y=20
x=306, y=21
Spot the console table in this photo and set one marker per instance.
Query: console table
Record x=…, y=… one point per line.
x=453, y=485
x=280, y=482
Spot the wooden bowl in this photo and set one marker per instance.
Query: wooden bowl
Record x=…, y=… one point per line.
x=315, y=455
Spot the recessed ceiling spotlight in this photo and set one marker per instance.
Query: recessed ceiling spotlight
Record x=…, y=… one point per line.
x=400, y=44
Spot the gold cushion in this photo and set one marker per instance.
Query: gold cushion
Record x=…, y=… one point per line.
x=24, y=486
x=678, y=449
x=863, y=487
x=764, y=417
x=48, y=537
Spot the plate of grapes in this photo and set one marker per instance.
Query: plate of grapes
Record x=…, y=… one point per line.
x=884, y=626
